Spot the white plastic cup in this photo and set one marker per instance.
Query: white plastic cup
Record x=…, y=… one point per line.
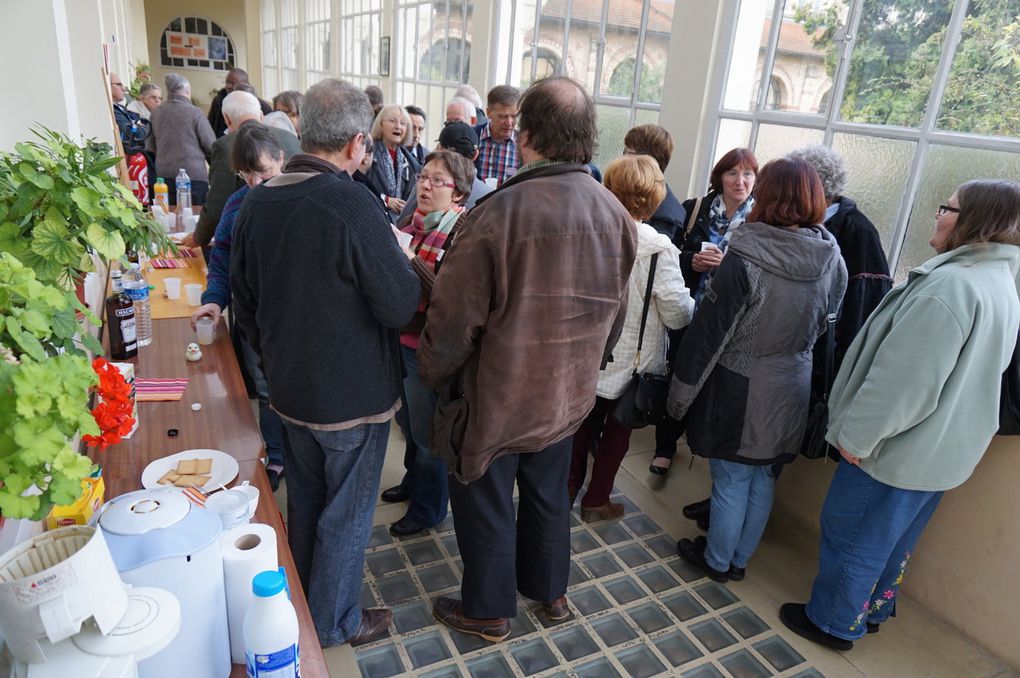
x=253, y=497
x=194, y=294
x=190, y=223
x=173, y=288
x=206, y=330
x=492, y=182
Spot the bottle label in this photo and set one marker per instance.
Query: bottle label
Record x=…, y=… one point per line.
x=138, y=293
x=282, y=664
x=129, y=333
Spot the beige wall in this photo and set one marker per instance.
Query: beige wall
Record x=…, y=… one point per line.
x=964, y=569
x=229, y=14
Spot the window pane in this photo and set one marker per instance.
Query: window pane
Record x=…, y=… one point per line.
x=732, y=134
x=945, y=169
x=805, y=58
x=578, y=61
x=985, y=72
x=747, y=55
x=520, y=43
x=623, y=24
x=614, y=121
x=895, y=56
x=877, y=171
x=775, y=141
x=653, y=68
x=643, y=117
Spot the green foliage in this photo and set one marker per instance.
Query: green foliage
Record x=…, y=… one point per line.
x=896, y=54
x=44, y=381
x=621, y=83
x=143, y=74
x=59, y=204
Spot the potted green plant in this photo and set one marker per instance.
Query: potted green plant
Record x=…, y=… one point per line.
x=60, y=205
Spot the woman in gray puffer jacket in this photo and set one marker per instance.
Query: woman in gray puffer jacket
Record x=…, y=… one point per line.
x=743, y=373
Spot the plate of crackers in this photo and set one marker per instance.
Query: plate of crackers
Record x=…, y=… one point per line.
x=204, y=469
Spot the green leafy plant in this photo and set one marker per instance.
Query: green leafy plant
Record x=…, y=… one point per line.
x=143, y=74
x=45, y=377
x=59, y=205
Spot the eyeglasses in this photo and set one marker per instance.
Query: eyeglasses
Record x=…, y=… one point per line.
x=434, y=182
x=116, y=84
x=254, y=178
x=946, y=208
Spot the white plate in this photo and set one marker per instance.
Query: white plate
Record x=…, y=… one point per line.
x=224, y=468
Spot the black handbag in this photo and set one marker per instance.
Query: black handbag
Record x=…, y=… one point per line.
x=644, y=400
x=1009, y=397
x=814, y=445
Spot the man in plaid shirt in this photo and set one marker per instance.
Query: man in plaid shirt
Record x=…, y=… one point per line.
x=497, y=140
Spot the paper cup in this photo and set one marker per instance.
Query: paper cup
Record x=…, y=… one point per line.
x=173, y=288
x=206, y=331
x=253, y=497
x=492, y=182
x=194, y=293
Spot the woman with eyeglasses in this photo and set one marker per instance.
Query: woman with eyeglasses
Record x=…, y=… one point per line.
x=258, y=157
x=393, y=169
x=913, y=409
x=443, y=185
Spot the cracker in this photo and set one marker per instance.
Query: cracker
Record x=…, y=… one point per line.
x=191, y=479
x=169, y=477
x=203, y=466
x=187, y=467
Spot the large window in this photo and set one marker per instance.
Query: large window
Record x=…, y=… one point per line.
x=194, y=42
x=360, y=30
x=918, y=96
x=616, y=48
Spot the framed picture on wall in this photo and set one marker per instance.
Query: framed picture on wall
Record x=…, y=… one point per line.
x=384, y=56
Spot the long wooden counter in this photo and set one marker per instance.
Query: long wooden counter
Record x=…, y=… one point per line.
x=226, y=423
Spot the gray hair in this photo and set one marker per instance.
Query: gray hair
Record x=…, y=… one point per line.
x=176, y=84
x=241, y=106
x=389, y=109
x=146, y=88
x=471, y=94
x=829, y=165
x=466, y=107
x=332, y=114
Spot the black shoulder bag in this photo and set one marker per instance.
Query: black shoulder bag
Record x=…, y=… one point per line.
x=1009, y=397
x=814, y=445
x=644, y=401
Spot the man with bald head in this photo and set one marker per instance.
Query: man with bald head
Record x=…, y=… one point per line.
x=235, y=77
x=523, y=316
x=121, y=114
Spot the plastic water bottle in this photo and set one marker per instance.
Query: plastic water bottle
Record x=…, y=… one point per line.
x=271, y=630
x=137, y=288
x=183, y=200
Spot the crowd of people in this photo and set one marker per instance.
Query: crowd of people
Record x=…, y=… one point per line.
x=498, y=298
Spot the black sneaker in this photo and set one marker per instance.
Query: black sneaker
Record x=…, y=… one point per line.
x=697, y=509
x=795, y=618
x=694, y=553
x=737, y=573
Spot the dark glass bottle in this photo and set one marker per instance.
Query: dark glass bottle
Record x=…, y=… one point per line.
x=120, y=321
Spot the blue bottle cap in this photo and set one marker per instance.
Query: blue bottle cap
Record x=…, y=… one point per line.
x=267, y=584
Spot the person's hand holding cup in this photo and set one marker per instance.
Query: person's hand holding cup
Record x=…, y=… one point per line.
x=708, y=258
x=206, y=311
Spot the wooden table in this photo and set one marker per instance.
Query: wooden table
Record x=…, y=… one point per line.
x=225, y=422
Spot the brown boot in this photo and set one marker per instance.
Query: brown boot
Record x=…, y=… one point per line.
x=374, y=623
x=608, y=511
x=557, y=610
x=451, y=613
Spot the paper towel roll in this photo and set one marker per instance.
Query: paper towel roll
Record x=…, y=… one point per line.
x=247, y=550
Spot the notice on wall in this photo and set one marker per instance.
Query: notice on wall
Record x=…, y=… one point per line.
x=191, y=46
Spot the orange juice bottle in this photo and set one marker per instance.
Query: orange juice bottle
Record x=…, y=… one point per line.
x=161, y=191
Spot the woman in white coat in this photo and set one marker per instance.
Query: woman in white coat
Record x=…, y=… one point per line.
x=638, y=184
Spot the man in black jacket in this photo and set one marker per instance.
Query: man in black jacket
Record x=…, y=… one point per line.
x=235, y=77
x=320, y=288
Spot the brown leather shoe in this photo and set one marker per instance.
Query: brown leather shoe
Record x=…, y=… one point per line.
x=608, y=511
x=451, y=612
x=374, y=623
x=557, y=610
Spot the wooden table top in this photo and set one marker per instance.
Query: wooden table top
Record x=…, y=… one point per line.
x=226, y=423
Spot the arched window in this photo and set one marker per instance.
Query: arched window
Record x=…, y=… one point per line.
x=546, y=64
x=194, y=42
x=447, y=60
x=776, y=100
x=621, y=82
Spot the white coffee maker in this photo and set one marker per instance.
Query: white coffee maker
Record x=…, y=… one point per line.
x=65, y=611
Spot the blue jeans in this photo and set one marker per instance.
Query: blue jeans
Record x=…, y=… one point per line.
x=869, y=530
x=741, y=504
x=430, y=492
x=270, y=424
x=332, y=483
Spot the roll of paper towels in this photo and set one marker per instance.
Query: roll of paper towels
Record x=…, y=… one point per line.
x=247, y=550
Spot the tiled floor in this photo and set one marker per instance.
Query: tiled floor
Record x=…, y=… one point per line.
x=640, y=611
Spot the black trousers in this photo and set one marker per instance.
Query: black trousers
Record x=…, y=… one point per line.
x=504, y=553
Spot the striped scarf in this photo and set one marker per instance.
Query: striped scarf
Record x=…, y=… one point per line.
x=430, y=231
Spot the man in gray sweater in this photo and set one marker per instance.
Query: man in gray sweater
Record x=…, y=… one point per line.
x=181, y=138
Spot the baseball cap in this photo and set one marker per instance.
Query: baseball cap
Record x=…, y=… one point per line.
x=460, y=138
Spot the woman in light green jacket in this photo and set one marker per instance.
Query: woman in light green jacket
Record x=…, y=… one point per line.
x=913, y=409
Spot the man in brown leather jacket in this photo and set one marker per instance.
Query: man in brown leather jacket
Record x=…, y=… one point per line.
x=527, y=304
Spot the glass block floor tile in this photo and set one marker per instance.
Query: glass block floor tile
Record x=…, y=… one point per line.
x=703, y=671
x=438, y=578
x=715, y=594
x=428, y=648
x=649, y=617
x=601, y=564
x=367, y=598
x=577, y=575
x=684, y=606
x=745, y=622
x=612, y=533
x=521, y=625
x=677, y=648
x=658, y=579
x=582, y=542
x=380, y=536
x=466, y=644
x=742, y=664
x=589, y=601
x=446, y=525
x=779, y=653
x=491, y=665
x=423, y=552
x=533, y=656
x=613, y=629
x=397, y=588
x=412, y=616
x=624, y=590
x=685, y=570
x=445, y=672
x=382, y=563
x=380, y=662
x=810, y=673
x=662, y=545
x=712, y=634
x=642, y=525
x=634, y=554
x=574, y=643
x=450, y=544
x=600, y=668
x=640, y=662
